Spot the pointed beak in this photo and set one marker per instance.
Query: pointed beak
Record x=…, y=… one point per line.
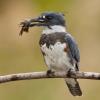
x=37, y=20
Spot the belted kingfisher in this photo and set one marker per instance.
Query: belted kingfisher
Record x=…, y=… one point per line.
x=59, y=48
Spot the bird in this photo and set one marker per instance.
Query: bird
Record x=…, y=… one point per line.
x=59, y=48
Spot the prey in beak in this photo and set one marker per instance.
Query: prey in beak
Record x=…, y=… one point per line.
x=25, y=25
x=45, y=19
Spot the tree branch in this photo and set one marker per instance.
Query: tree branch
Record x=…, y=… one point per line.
x=42, y=75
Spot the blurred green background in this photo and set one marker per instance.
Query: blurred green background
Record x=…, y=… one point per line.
x=22, y=54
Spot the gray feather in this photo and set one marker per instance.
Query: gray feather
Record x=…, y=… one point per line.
x=74, y=51
x=74, y=55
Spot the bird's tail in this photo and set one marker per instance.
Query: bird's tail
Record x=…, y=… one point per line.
x=73, y=86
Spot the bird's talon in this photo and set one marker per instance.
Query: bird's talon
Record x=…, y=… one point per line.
x=69, y=72
x=50, y=73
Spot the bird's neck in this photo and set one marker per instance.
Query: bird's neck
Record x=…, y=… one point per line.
x=53, y=29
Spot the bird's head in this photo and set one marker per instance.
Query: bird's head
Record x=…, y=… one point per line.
x=47, y=19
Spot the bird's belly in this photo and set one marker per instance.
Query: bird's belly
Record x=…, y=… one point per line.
x=56, y=57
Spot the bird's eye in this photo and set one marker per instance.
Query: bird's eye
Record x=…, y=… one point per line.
x=43, y=17
x=49, y=17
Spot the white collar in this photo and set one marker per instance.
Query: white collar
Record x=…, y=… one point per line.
x=55, y=28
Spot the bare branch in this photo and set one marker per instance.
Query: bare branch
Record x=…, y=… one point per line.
x=42, y=75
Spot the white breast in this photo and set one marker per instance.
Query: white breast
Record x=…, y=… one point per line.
x=55, y=57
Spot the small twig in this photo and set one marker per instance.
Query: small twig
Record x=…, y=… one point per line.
x=42, y=75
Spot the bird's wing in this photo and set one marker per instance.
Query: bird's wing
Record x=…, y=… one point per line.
x=73, y=51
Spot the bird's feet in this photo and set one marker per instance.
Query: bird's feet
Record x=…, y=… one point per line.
x=71, y=72
x=50, y=73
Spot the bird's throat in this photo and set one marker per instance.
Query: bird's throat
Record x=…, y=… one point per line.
x=53, y=29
